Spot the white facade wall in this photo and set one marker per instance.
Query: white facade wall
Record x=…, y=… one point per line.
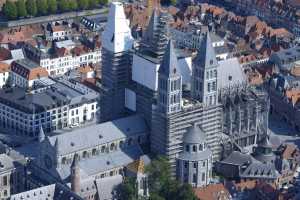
x=58, y=35
x=4, y=77
x=20, y=81
x=145, y=72
x=61, y=65
x=85, y=112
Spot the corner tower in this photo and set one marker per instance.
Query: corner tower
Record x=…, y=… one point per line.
x=205, y=73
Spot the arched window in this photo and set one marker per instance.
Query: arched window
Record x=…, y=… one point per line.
x=200, y=147
x=84, y=154
x=64, y=160
x=94, y=152
x=111, y=173
x=112, y=146
x=121, y=144
x=194, y=148
x=102, y=149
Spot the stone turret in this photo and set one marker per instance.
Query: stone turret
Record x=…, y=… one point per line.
x=194, y=164
x=75, y=175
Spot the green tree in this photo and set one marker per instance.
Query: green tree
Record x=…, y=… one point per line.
x=163, y=186
x=21, y=7
x=83, y=4
x=52, y=6
x=10, y=10
x=42, y=7
x=63, y=5
x=173, y=2
x=73, y=4
x=92, y=3
x=128, y=189
x=31, y=7
x=103, y=2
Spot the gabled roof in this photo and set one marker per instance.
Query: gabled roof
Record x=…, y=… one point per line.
x=169, y=65
x=206, y=56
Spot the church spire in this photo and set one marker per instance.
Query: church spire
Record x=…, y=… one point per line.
x=41, y=136
x=75, y=175
x=169, y=82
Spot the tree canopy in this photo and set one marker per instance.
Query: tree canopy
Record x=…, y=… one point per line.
x=31, y=7
x=10, y=10
x=161, y=184
x=21, y=8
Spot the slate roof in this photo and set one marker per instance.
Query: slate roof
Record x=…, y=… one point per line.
x=105, y=186
x=194, y=135
x=50, y=192
x=206, y=56
x=94, y=135
x=231, y=73
x=101, y=163
x=237, y=158
x=260, y=170
x=169, y=65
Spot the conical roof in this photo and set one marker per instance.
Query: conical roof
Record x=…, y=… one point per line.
x=194, y=135
x=41, y=134
x=206, y=56
x=265, y=142
x=169, y=65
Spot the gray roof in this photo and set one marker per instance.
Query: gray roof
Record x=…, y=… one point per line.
x=169, y=65
x=260, y=170
x=238, y=158
x=106, y=186
x=231, y=73
x=50, y=192
x=95, y=135
x=194, y=135
x=206, y=56
x=101, y=163
x=56, y=95
x=29, y=64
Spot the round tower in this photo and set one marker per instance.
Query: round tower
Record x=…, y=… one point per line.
x=194, y=164
x=75, y=175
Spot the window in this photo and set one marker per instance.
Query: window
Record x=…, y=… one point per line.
x=203, y=176
x=94, y=152
x=187, y=148
x=208, y=87
x=194, y=148
x=203, y=164
x=194, y=178
x=186, y=164
x=200, y=147
x=5, y=182
x=214, y=86
x=195, y=164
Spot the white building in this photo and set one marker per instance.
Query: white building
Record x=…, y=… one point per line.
x=57, y=32
x=24, y=73
x=54, y=106
x=4, y=74
x=66, y=57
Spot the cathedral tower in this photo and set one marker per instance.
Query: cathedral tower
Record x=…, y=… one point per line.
x=205, y=73
x=116, y=63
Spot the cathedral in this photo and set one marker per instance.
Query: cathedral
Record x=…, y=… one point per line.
x=175, y=92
